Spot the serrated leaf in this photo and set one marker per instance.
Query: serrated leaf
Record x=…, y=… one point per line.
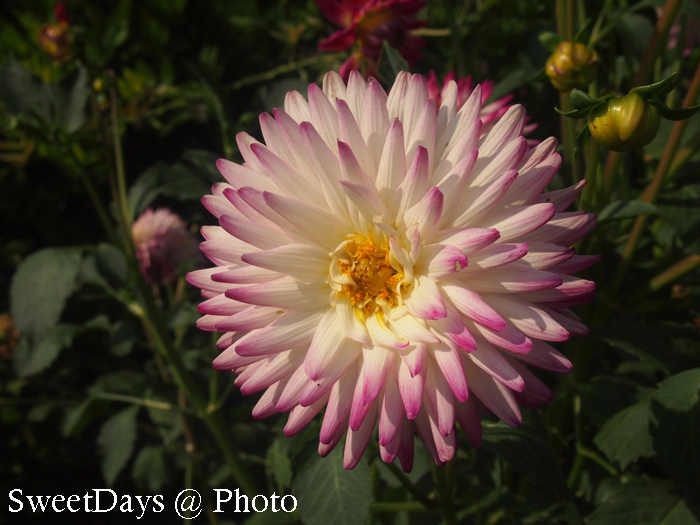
x=327, y=493
x=149, y=468
x=676, y=429
x=650, y=502
x=528, y=449
x=40, y=288
x=625, y=210
x=391, y=63
x=549, y=39
x=116, y=442
x=674, y=113
x=663, y=87
x=625, y=436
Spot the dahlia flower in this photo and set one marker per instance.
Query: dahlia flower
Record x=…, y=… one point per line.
x=380, y=259
x=162, y=242
x=366, y=24
x=55, y=38
x=490, y=113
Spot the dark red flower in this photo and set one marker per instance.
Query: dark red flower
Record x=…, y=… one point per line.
x=366, y=24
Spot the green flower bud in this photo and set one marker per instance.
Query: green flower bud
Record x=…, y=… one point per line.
x=571, y=66
x=624, y=123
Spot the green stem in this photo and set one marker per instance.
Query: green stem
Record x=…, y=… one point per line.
x=286, y=68
x=685, y=154
x=102, y=212
x=591, y=175
x=159, y=333
x=444, y=488
x=569, y=131
x=596, y=33
x=209, y=414
x=122, y=203
x=407, y=483
x=565, y=28
x=576, y=471
x=101, y=209
x=158, y=405
x=652, y=191
x=586, y=453
x=676, y=271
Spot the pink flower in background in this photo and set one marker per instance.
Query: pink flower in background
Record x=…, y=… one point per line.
x=465, y=86
x=383, y=259
x=162, y=243
x=366, y=24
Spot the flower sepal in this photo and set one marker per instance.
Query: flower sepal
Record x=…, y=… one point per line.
x=625, y=122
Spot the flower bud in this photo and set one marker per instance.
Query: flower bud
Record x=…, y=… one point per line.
x=624, y=123
x=571, y=66
x=56, y=40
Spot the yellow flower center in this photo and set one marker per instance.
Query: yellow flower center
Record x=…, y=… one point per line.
x=368, y=266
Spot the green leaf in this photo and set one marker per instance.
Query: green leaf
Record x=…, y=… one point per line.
x=625, y=210
x=650, y=502
x=272, y=518
x=57, y=338
x=549, y=39
x=676, y=429
x=79, y=416
x=46, y=351
x=582, y=140
x=674, y=114
x=327, y=493
x=149, y=468
x=510, y=83
x=583, y=34
x=625, y=436
x=40, y=288
x=580, y=100
x=279, y=465
x=123, y=337
x=635, y=33
x=178, y=181
x=272, y=94
x=662, y=87
x=72, y=96
x=112, y=265
x=528, y=449
x=391, y=63
x=116, y=442
x=24, y=92
x=574, y=113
